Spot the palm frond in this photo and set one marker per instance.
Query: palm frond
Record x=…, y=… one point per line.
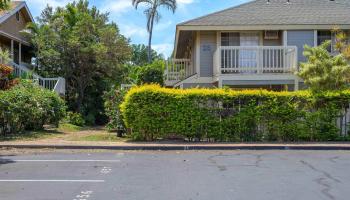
x=169, y=4
x=136, y=3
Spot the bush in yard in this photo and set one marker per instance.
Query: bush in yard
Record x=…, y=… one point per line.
x=152, y=73
x=113, y=99
x=153, y=112
x=29, y=107
x=75, y=119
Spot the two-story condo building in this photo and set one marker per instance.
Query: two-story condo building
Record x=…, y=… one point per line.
x=258, y=44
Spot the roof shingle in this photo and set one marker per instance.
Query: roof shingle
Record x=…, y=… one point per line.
x=279, y=12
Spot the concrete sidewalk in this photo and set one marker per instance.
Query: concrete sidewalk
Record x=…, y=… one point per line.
x=177, y=146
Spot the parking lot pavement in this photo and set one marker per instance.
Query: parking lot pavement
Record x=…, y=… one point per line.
x=157, y=175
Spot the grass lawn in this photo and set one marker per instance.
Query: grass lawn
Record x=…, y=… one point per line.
x=67, y=132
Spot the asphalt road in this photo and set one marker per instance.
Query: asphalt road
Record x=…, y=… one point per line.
x=207, y=175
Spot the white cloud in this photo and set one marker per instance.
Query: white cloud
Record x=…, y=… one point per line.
x=133, y=31
x=117, y=6
x=166, y=48
x=185, y=1
x=162, y=26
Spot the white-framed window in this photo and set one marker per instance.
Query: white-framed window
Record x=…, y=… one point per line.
x=325, y=35
x=230, y=39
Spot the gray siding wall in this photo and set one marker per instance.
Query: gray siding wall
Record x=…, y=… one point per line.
x=208, y=47
x=299, y=39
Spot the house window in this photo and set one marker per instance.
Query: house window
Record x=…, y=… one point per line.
x=17, y=16
x=323, y=36
x=230, y=39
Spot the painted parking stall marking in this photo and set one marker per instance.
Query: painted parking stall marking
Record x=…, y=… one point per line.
x=106, y=161
x=29, y=180
x=84, y=195
x=106, y=170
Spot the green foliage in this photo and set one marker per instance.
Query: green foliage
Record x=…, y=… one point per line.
x=152, y=73
x=4, y=56
x=140, y=53
x=4, y=4
x=323, y=71
x=75, y=119
x=79, y=43
x=153, y=112
x=342, y=42
x=113, y=99
x=29, y=107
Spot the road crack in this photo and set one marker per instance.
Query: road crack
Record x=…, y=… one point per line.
x=324, y=180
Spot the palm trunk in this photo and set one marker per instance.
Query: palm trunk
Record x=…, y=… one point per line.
x=150, y=41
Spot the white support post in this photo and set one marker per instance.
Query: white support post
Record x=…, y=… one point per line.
x=12, y=51
x=198, y=53
x=285, y=38
x=315, y=38
x=296, y=84
x=220, y=83
x=20, y=53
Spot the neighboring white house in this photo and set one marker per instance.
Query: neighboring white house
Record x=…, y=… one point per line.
x=258, y=44
x=12, y=22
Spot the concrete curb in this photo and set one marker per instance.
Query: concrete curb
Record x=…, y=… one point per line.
x=184, y=147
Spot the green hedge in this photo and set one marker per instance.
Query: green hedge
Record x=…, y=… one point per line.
x=28, y=107
x=153, y=112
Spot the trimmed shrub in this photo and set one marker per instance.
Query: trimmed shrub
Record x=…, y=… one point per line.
x=153, y=112
x=113, y=99
x=28, y=107
x=74, y=118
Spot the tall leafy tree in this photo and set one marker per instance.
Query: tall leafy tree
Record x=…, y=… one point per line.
x=153, y=16
x=80, y=44
x=140, y=55
x=323, y=71
x=342, y=42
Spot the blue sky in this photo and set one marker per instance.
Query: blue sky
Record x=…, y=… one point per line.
x=132, y=23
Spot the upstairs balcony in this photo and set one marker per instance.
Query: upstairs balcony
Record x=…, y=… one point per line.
x=230, y=60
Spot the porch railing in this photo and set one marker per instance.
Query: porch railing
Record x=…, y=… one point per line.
x=255, y=59
x=179, y=69
x=57, y=85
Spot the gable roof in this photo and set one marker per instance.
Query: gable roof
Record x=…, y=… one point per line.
x=14, y=7
x=279, y=12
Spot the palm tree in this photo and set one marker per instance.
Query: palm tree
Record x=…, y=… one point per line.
x=153, y=15
x=4, y=4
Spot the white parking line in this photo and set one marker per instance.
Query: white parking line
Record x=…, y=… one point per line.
x=111, y=161
x=79, y=181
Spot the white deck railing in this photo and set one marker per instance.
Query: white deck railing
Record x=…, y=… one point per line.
x=255, y=59
x=57, y=85
x=179, y=69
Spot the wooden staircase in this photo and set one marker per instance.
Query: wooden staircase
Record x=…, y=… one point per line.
x=57, y=85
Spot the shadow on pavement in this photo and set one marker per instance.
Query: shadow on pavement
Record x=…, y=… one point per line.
x=4, y=161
